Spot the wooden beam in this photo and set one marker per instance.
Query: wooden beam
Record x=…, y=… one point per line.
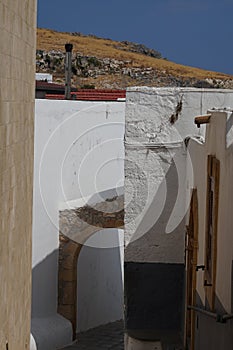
x=202, y=119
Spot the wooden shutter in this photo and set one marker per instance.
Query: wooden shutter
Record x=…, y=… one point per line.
x=213, y=172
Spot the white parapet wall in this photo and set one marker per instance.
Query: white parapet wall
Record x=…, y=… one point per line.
x=79, y=151
x=44, y=77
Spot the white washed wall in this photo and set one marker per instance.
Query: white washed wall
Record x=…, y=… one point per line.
x=78, y=152
x=155, y=205
x=219, y=131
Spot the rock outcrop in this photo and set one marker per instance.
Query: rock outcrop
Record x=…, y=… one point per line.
x=126, y=64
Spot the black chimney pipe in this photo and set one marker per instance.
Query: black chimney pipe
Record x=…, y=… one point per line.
x=68, y=62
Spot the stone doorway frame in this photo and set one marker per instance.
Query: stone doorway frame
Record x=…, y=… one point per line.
x=71, y=241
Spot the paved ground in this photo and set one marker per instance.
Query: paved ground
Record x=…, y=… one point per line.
x=109, y=337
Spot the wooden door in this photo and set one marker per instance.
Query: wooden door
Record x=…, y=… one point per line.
x=191, y=264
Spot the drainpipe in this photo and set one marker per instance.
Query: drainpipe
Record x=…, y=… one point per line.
x=68, y=61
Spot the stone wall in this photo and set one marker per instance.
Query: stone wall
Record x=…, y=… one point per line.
x=17, y=76
x=67, y=279
x=97, y=72
x=79, y=224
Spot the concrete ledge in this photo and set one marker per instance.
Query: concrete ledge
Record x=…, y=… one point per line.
x=51, y=333
x=135, y=344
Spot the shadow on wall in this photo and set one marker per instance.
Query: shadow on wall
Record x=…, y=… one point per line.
x=99, y=291
x=100, y=281
x=150, y=238
x=44, y=301
x=49, y=329
x=154, y=276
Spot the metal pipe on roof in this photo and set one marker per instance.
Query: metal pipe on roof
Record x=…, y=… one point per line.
x=68, y=62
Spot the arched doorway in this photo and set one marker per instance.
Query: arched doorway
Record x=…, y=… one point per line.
x=81, y=224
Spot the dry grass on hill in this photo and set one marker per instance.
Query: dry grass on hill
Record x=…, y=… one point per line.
x=103, y=48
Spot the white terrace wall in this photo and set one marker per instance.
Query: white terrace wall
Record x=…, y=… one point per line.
x=157, y=122
x=78, y=152
x=17, y=90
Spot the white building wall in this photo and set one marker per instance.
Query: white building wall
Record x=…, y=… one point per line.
x=216, y=144
x=158, y=120
x=44, y=76
x=219, y=142
x=152, y=141
x=78, y=152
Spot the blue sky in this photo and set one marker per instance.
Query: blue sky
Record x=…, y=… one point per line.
x=197, y=33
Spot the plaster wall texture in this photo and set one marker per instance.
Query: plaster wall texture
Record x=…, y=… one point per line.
x=157, y=122
x=219, y=142
x=78, y=152
x=17, y=56
x=100, y=280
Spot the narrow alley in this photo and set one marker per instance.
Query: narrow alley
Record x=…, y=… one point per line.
x=105, y=337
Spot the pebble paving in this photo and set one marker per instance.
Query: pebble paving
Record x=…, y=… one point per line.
x=107, y=337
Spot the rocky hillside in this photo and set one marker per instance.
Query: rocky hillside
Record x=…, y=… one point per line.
x=103, y=63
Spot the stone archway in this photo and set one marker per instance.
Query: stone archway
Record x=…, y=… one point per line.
x=76, y=226
x=67, y=279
